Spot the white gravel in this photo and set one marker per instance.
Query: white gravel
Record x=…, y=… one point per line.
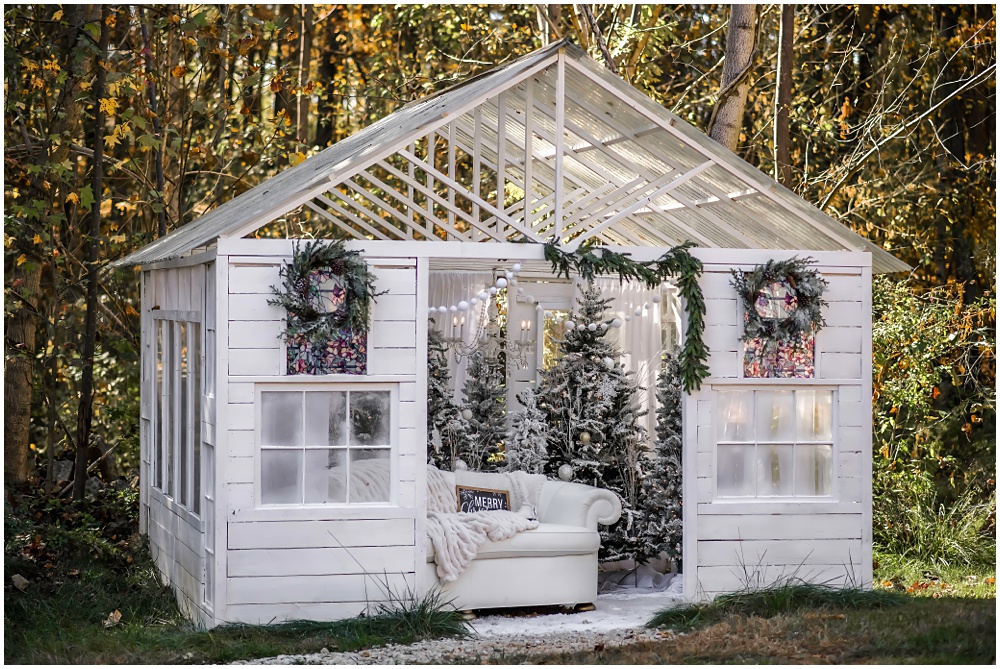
x=619, y=620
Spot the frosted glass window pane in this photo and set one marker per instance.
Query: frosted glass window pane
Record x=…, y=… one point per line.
x=281, y=419
x=735, y=418
x=370, y=418
x=814, y=414
x=735, y=471
x=774, y=470
x=281, y=476
x=326, y=419
x=370, y=475
x=775, y=416
x=813, y=470
x=326, y=476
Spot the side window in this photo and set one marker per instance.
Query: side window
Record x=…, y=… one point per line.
x=325, y=447
x=774, y=443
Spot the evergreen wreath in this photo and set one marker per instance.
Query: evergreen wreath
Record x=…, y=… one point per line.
x=299, y=296
x=806, y=317
x=590, y=260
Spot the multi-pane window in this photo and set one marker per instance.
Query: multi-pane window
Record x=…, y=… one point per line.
x=775, y=443
x=177, y=412
x=325, y=447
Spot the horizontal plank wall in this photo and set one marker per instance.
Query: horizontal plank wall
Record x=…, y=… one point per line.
x=176, y=534
x=732, y=544
x=316, y=562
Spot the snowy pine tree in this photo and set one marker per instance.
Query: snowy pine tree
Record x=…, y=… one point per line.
x=591, y=404
x=661, y=490
x=527, y=437
x=486, y=397
x=447, y=431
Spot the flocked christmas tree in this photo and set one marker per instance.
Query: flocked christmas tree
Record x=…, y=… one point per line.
x=661, y=489
x=486, y=399
x=447, y=431
x=591, y=404
x=527, y=437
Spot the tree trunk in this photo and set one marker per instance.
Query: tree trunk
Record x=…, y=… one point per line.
x=161, y=215
x=783, y=97
x=326, y=106
x=86, y=411
x=305, y=51
x=741, y=50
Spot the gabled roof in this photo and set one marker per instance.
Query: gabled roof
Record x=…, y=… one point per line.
x=605, y=161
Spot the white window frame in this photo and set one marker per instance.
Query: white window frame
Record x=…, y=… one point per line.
x=394, y=409
x=834, y=495
x=172, y=434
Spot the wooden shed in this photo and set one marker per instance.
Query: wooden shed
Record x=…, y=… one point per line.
x=575, y=154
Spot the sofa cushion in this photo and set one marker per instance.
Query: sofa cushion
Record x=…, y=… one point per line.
x=548, y=540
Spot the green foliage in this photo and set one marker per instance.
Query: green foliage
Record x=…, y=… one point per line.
x=298, y=294
x=486, y=397
x=784, y=598
x=805, y=319
x=447, y=430
x=590, y=260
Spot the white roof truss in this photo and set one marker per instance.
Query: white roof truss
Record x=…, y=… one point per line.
x=551, y=146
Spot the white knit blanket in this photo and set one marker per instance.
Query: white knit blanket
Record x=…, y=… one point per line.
x=456, y=537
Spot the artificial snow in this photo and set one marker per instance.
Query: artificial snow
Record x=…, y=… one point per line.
x=626, y=608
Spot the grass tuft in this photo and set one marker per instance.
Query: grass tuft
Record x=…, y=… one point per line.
x=775, y=600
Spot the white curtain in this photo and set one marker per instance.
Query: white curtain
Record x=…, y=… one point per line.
x=642, y=338
x=450, y=288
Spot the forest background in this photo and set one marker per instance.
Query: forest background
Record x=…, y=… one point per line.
x=122, y=123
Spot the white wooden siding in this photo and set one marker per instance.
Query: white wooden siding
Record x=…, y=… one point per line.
x=311, y=562
x=176, y=535
x=732, y=543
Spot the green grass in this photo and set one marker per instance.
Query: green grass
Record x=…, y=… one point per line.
x=63, y=622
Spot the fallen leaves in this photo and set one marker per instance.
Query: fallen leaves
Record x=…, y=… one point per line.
x=113, y=619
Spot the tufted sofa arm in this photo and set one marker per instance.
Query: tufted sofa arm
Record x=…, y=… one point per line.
x=577, y=504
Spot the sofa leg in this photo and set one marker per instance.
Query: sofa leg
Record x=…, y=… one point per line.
x=468, y=614
x=580, y=608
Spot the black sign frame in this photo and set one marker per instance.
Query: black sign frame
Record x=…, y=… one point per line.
x=472, y=499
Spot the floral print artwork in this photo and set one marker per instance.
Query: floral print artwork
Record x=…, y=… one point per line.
x=785, y=359
x=346, y=353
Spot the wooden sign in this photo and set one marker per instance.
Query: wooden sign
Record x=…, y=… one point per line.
x=472, y=499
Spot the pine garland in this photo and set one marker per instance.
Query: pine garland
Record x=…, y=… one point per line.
x=805, y=319
x=590, y=260
x=297, y=297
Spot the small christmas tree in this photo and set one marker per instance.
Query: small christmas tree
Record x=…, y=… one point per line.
x=663, y=522
x=447, y=431
x=527, y=437
x=591, y=404
x=486, y=399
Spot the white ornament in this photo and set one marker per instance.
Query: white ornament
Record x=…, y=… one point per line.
x=656, y=299
x=432, y=311
x=453, y=309
x=482, y=295
x=463, y=306
x=513, y=282
x=616, y=322
x=460, y=466
x=584, y=437
x=628, y=317
x=548, y=314
x=565, y=472
x=443, y=310
x=474, y=301
x=493, y=290
x=520, y=291
x=509, y=275
x=570, y=325
x=592, y=327
x=501, y=282
x=638, y=311
x=538, y=307
x=467, y=414
x=609, y=362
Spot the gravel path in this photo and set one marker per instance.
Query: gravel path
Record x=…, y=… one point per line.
x=618, y=621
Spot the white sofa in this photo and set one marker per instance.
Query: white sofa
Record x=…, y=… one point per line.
x=555, y=564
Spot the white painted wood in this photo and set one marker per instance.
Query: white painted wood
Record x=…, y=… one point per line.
x=865, y=440
x=840, y=366
x=240, y=393
x=221, y=448
x=784, y=526
x=839, y=340
x=321, y=561
x=393, y=334
x=817, y=507
x=721, y=312
x=392, y=360
x=254, y=307
x=321, y=534
x=733, y=578
x=253, y=278
x=394, y=307
x=265, y=614
x=300, y=589
x=254, y=362
x=241, y=442
x=398, y=281
x=843, y=314
x=255, y=334
x=752, y=553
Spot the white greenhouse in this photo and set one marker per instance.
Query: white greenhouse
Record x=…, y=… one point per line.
x=244, y=496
